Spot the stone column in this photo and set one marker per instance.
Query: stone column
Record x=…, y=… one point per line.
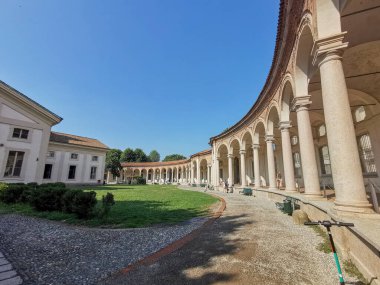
x=271, y=167
x=153, y=175
x=108, y=177
x=242, y=166
x=309, y=163
x=230, y=172
x=256, y=165
x=198, y=171
x=345, y=162
x=209, y=174
x=177, y=175
x=217, y=171
x=287, y=157
x=192, y=174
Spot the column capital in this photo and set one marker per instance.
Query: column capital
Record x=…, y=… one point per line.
x=328, y=48
x=242, y=151
x=301, y=103
x=230, y=155
x=269, y=138
x=285, y=125
x=255, y=146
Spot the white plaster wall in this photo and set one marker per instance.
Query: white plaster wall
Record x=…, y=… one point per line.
x=62, y=161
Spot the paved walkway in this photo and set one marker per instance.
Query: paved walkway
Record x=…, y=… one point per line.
x=8, y=276
x=251, y=243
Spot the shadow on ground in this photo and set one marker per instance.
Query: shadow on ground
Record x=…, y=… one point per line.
x=192, y=263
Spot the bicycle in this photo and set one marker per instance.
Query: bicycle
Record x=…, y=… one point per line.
x=328, y=225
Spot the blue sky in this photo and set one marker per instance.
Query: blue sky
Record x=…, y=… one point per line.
x=154, y=74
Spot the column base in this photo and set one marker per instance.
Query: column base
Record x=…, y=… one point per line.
x=273, y=189
x=353, y=207
x=291, y=190
x=314, y=196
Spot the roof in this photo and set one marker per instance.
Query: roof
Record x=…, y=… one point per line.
x=76, y=140
x=30, y=101
x=154, y=164
x=203, y=152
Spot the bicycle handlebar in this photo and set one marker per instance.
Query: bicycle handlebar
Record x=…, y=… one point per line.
x=329, y=224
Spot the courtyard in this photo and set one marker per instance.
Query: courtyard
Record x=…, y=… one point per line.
x=251, y=243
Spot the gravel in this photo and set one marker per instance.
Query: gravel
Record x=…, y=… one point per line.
x=48, y=252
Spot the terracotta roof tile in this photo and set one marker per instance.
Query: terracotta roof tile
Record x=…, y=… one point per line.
x=76, y=140
x=154, y=164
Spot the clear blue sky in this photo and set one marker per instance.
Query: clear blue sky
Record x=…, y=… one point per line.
x=154, y=74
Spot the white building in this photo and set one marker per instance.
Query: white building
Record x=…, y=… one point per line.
x=31, y=152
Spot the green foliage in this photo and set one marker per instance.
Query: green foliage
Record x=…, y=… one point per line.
x=47, y=198
x=324, y=246
x=12, y=193
x=172, y=157
x=107, y=202
x=128, y=155
x=154, y=156
x=84, y=204
x=140, y=181
x=113, y=161
x=68, y=198
x=53, y=185
x=140, y=155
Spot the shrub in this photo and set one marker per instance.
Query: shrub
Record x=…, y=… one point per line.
x=140, y=181
x=47, y=198
x=32, y=184
x=68, y=200
x=53, y=185
x=107, y=202
x=83, y=204
x=11, y=193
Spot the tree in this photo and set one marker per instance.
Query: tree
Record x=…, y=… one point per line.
x=154, y=156
x=128, y=155
x=140, y=155
x=113, y=161
x=172, y=157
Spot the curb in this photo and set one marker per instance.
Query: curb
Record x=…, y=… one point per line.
x=150, y=259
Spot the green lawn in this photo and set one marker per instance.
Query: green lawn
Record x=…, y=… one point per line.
x=136, y=206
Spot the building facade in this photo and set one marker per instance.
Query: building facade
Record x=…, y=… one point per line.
x=31, y=152
x=316, y=121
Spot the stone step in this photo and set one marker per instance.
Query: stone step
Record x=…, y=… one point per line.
x=12, y=281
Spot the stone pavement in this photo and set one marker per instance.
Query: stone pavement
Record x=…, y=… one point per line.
x=251, y=243
x=8, y=276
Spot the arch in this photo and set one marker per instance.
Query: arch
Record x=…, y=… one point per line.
x=273, y=119
x=221, y=149
x=246, y=139
x=286, y=98
x=233, y=145
x=303, y=68
x=259, y=130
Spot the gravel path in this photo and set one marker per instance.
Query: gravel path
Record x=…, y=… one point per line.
x=252, y=243
x=47, y=252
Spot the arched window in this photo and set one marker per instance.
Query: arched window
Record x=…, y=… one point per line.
x=360, y=114
x=297, y=164
x=324, y=158
x=322, y=130
x=294, y=140
x=366, y=154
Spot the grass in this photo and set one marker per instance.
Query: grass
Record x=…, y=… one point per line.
x=350, y=268
x=136, y=206
x=324, y=246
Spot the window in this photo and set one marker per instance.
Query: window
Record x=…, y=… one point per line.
x=95, y=158
x=324, y=158
x=294, y=140
x=20, y=133
x=14, y=164
x=72, y=170
x=297, y=164
x=366, y=154
x=360, y=114
x=93, y=172
x=322, y=130
x=47, y=171
x=50, y=154
x=74, y=156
